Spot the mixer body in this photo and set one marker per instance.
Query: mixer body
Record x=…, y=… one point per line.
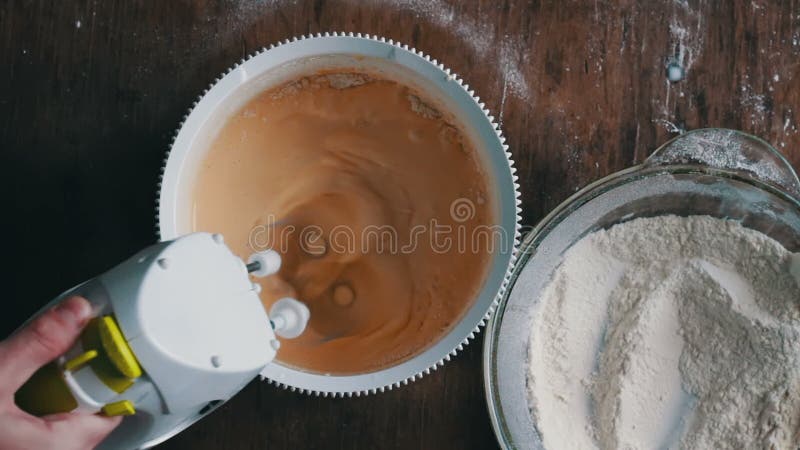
x=178, y=329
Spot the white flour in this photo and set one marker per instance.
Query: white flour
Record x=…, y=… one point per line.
x=669, y=332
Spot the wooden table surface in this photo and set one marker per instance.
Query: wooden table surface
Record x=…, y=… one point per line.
x=92, y=91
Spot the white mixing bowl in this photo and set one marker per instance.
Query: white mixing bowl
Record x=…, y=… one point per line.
x=299, y=57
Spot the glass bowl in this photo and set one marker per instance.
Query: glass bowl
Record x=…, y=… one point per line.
x=720, y=173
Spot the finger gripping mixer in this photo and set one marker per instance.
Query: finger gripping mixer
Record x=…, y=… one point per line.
x=178, y=329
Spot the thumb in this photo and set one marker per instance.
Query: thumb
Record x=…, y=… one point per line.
x=42, y=340
x=82, y=430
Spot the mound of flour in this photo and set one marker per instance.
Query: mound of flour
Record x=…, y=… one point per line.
x=669, y=332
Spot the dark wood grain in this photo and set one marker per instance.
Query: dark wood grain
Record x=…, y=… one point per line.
x=91, y=92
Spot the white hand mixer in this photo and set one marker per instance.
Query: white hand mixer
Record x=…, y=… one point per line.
x=178, y=329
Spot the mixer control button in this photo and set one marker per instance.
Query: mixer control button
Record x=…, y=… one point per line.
x=80, y=360
x=117, y=348
x=120, y=408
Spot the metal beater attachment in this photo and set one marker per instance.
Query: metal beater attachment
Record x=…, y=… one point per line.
x=288, y=316
x=262, y=264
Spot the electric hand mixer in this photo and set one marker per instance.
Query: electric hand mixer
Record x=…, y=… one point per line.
x=179, y=329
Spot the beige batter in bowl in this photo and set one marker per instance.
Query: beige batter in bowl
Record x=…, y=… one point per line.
x=385, y=60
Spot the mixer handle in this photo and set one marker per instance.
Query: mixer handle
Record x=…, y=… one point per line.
x=732, y=151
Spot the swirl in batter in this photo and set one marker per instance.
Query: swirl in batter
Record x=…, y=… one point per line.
x=347, y=176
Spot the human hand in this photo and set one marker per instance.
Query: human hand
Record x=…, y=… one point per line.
x=35, y=345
